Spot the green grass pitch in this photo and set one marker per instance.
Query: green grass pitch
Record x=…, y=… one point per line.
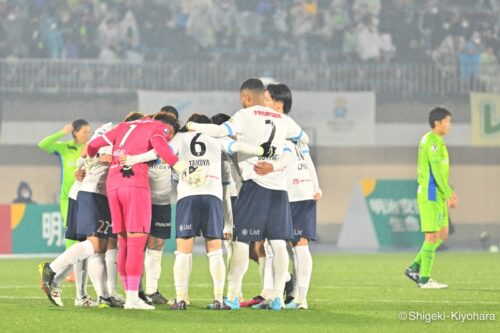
x=349, y=293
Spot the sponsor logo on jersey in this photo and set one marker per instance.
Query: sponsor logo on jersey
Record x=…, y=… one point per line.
x=297, y=232
x=267, y=114
x=254, y=232
x=251, y=232
x=164, y=224
x=186, y=227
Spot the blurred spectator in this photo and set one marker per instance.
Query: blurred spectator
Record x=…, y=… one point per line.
x=446, y=56
x=469, y=63
x=24, y=194
x=488, y=67
x=368, y=41
x=314, y=31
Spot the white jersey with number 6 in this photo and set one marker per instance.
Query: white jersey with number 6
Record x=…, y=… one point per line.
x=257, y=125
x=201, y=150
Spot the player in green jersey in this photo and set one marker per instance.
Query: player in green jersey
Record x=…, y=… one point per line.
x=434, y=197
x=68, y=153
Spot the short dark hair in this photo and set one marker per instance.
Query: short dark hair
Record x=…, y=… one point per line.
x=281, y=93
x=199, y=118
x=437, y=114
x=133, y=116
x=77, y=126
x=170, y=109
x=167, y=118
x=252, y=84
x=220, y=118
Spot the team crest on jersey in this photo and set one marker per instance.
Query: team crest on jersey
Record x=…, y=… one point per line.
x=167, y=131
x=434, y=147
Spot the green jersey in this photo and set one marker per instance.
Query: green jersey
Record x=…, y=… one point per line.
x=68, y=153
x=433, y=169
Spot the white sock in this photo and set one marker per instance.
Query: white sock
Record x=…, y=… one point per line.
x=97, y=273
x=280, y=266
x=268, y=283
x=152, y=269
x=111, y=269
x=181, y=274
x=81, y=278
x=62, y=275
x=75, y=253
x=190, y=270
x=218, y=272
x=304, y=271
x=229, y=251
x=132, y=296
x=237, y=269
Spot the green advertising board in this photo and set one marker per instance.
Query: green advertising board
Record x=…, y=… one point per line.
x=39, y=229
x=383, y=215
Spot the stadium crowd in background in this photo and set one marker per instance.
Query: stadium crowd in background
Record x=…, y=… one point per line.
x=454, y=34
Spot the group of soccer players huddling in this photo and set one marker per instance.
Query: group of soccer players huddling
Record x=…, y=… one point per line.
x=129, y=175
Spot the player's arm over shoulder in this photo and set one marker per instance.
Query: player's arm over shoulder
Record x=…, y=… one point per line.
x=295, y=132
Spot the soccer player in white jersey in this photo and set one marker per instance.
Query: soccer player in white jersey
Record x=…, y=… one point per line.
x=229, y=189
x=263, y=210
x=160, y=182
x=199, y=209
x=90, y=223
x=303, y=192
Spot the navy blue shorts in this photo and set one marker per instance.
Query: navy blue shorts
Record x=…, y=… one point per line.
x=160, y=221
x=71, y=222
x=93, y=215
x=198, y=215
x=262, y=213
x=303, y=219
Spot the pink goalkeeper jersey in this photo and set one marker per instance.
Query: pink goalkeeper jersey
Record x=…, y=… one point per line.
x=133, y=138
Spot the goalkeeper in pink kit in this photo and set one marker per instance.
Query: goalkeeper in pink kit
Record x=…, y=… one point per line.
x=129, y=194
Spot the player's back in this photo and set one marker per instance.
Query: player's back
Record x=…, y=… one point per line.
x=257, y=125
x=132, y=138
x=200, y=150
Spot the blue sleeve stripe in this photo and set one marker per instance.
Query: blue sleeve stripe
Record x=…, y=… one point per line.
x=287, y=149
x=230, y=130
x=229, y=147
x=305, y=151
x=297, y=138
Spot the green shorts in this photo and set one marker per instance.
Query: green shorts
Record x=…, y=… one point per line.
x=433, y=215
